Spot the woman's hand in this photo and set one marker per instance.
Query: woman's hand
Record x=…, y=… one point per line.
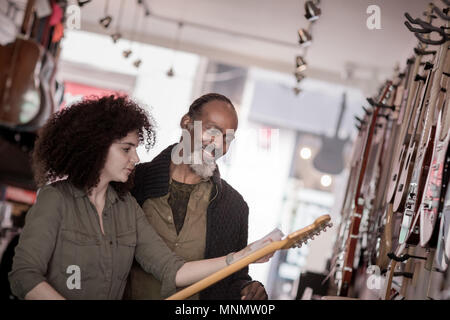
x=256, y=245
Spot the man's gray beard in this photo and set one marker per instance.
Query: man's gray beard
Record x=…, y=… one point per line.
x=205, y=169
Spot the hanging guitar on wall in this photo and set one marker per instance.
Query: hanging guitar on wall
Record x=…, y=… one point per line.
x=330, y=158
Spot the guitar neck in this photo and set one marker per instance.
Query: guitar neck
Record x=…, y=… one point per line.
x=225, y=272
x=411, y=99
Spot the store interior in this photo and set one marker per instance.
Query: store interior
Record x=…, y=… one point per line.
x=319, y=88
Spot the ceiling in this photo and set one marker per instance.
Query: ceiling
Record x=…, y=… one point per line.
x=264, y=32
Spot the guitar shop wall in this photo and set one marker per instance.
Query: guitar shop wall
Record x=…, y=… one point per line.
x=393, y=240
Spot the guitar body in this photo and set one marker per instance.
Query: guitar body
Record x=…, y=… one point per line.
x=442, y=256
x=386, y=238
x=431, y=196
x=405, y=139
x=405, y=176
x=416, y=187
x=19, y=93
x=330, y=158
x=443, y=239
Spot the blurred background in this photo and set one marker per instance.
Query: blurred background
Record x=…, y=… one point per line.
x=293, y=90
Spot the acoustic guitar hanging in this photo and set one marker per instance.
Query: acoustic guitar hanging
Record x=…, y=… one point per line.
x=19, y=83
x=293, y=240
x=330, y=158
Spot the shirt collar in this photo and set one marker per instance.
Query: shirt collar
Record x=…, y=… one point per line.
x=111, y=194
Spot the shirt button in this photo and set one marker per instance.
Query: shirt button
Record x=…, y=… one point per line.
x=177, y=244
x=169, y=218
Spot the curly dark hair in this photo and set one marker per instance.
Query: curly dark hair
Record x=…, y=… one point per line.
x=74, y=142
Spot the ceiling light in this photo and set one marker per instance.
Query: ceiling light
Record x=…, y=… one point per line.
x=326, y=180
x=116, y=36
x=300, y=64
x=305, y=153
x=312, y=11
x=297, y=90
x=299, y=76
x=83, y=2
x=304, y=37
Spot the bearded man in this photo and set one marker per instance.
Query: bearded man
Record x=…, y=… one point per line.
x=198, y=214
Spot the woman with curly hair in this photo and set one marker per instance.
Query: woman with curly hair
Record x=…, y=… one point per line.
x=85, y=229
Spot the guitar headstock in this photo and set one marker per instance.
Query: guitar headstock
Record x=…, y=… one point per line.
x=299, y=237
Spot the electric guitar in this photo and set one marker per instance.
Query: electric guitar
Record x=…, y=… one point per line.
x=410, y=157
x=330, y=158
x=419, y=178
x=381, y=172
x=378, y=164
x=411, y=92
x=428, y=209
x=355, y=220
x=382, y=220
x=293, y=240
x=336, y=264
x=46, y=107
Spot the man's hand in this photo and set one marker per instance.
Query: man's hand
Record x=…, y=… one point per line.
x=254, y=291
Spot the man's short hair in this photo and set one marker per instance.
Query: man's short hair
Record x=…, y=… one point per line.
x=196, y=107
